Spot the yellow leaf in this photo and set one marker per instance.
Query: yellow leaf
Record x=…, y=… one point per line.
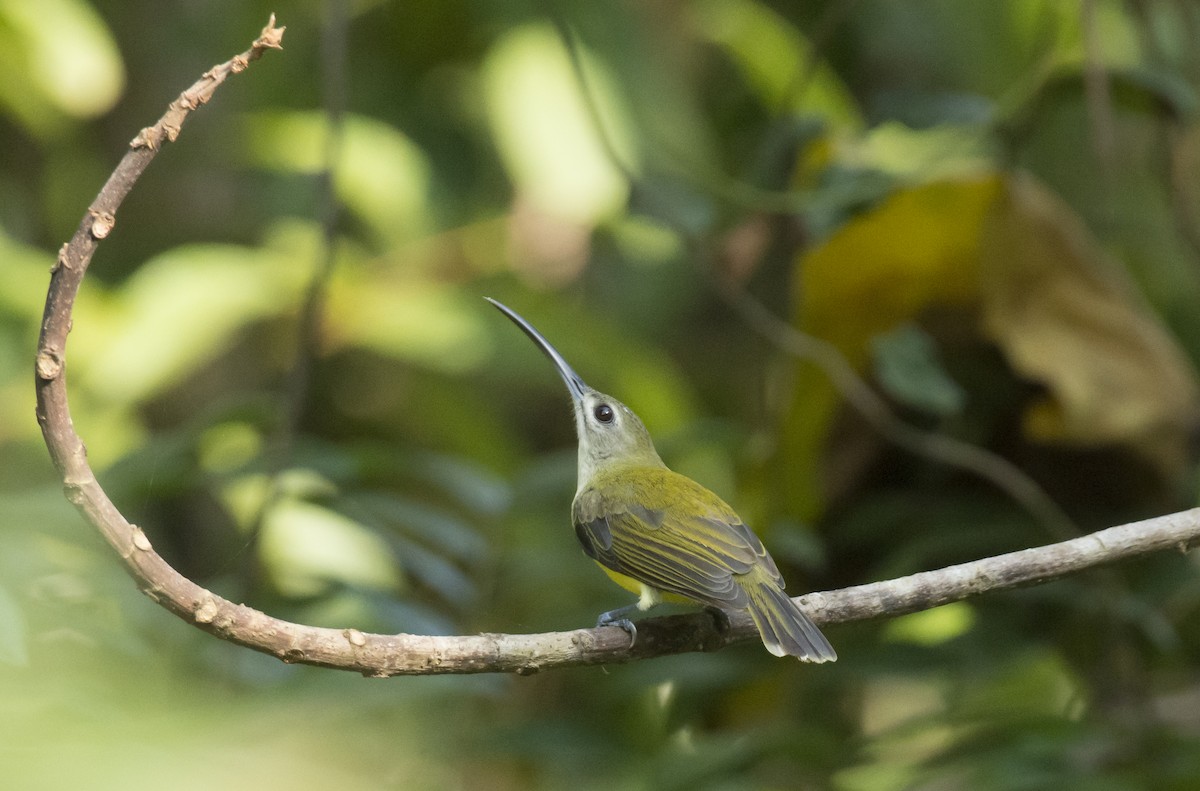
x=918, y=248
x=1004, y=250
x=1068, y=317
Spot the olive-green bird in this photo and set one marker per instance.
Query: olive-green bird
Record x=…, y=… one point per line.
x=663, y=536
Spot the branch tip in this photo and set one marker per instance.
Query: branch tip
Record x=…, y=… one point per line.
x=271, y=36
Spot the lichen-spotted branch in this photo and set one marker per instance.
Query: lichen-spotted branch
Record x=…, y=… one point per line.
x=406, y=654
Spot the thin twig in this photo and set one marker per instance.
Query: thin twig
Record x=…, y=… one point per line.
x=66, y=448
x=1002, y=473
x=1176, y=126
x=311, y=319
x=333, y=43
x=834, y=15
x=721, y=185
x=73, y=259
x=1097, y=91
x=1097, y=88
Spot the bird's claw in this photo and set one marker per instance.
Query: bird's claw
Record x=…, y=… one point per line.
x=615, y=619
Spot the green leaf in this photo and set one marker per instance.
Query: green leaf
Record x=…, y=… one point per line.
x=435, y=527
x=57, y=60
x=306, y=547
x=543, y=129
x=773, y=55
x=907, y=366
x=932, y=627
x=383, y=177
x=179, y=311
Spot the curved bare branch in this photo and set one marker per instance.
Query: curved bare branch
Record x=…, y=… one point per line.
x=406, y=654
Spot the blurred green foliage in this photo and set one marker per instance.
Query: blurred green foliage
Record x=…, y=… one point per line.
x=989, y=208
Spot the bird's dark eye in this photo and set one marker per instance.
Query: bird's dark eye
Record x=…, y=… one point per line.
x=603, y=413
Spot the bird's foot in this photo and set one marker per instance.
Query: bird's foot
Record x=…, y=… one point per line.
x=618, y=617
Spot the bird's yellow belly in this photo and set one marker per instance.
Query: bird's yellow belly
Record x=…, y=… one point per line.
x=633, y=586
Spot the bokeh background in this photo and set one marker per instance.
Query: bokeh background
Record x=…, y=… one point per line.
x=990, y=212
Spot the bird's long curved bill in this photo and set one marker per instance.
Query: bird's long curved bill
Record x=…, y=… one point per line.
x=574, y=384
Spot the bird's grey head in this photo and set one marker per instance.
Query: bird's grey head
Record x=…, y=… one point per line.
x=610, y=434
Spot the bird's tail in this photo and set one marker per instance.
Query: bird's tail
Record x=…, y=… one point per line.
x=783, y=626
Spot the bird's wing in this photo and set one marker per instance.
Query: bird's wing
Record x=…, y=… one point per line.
x=670, y=533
